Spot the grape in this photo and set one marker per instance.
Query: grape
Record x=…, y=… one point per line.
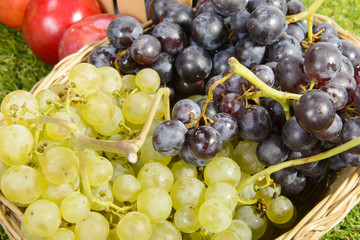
x=222, y=169
x=86, y=77
x=164, y=66
x=60, y=165
x=286, y=46
x=171, y=36
x=272, y=150
x=229, y=6
x=45, y=98
x=248, y=192
x=226, y=125
x=255, y=221
x=98, y=109
x=333, y=39
x=337, y=93
x=246, y=157
x=42, y=218
x=336, y=163
x=94, y=227
x=157, y=7
x=249, y=53
x=186, y=110
x=16, y=100
x=155, y=203
x=225, y=192
x=134, y=226
x=149, y=154
x=220, y=59
x=345, y=80
x=110, y=80
x=322, y=61
x=181, y=14
x=266, y=24
x=190, y=159
x=333, y=131
x=279, y=210
x=326, y=28
x=280, y=4
x=238, y=23
x=186, y=219
x=165, y=230
x=294, y=7
x=181, y=169
x=276, y=112
x=187, y=88
x=225, y=235
x=62, y=234
x=269, y=192
x=214, y=215
x=103, y=193
x=56, y=193
x=296, y=186
x=254, y=123
x=296, y=138
x=22, y=184
x=350, y=159
x=103, y=56
x=126, y=187
x=241, y=228
x=145, y=49
x=155, y=174
x=232, y=103
x=296, y=30
x=122, y=31
x=209, y=31
x=314, y=111
x=136, y=107
x=75, y=207
x=193, y=64
x=113, y=126
x=126, y=64
x=264, y=73
x=99, y=171
x=57, y=132
x=16, y=143
x=204, y=142
x=350, y=131
x=212, y=107
x=187, y=191
x=351, y=51
x=148, y=80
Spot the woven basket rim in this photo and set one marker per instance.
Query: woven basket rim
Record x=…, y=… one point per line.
x=341, y=197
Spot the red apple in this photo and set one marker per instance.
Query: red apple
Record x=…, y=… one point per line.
x=87, y=30
x=45, y=22
x=12, y=12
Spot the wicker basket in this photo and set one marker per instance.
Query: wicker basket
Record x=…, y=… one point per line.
x=320, y=212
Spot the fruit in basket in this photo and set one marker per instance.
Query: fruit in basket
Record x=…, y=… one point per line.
x=46, y=21
x=12, y=12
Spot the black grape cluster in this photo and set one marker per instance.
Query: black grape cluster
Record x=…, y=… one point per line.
x=190, y=47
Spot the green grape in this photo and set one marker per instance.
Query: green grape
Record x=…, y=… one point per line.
x=56, y=193
x=58, y=88
x=62, y=234
x=222, y=169
x=227, y=150
x=214, y=215
x=86, y=77
x=16, y=100
x=113, y=126
x=110, y=80
x=160, y=110
x=155, y=203
x=55, y=131
x=42, y=218
x=137, y=167
x=79, y=121
x=148, y=80
x=155, y=174
x=253, y=218
x=186, y=219
x=27, y=235
x=149, y=154
x=134, y=226
x=187, y=191
x=22, y=184
x=120, y=167
x=226, y=235
x=224, y=192
x=98, y=109
x=60, y=165
x=113, y=234
x=94, y=227
x=245, y=156
x=279, y=210
x=104, y=193
x=126, y=187
x=136, y=107
x=3, y=168
x=16, y=143
x=99, y=170
x=247, y=193
x=267, y=193
x=181, y=169
x=155, y=123
x=165, y=230
x=241, y=228
x=45, y=97
x=128, y=84
x=75, y=207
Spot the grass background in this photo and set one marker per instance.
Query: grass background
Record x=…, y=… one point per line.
x=20, y=69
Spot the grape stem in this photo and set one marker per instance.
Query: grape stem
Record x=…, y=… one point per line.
x=266, y=91
x=321, y=156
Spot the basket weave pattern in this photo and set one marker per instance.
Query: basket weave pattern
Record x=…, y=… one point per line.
x=341, y=195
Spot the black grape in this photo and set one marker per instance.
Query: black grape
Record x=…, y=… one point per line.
x=103, y=56
x=351, y=130
x=249, y=53
x=351, y=51
x=287, y=45
x=181, y=14
x=272, y=150
x=171, y=36
x=229, y=6
x=226, y=125
x=164, y=66
x=186, y=110
x=146, y=49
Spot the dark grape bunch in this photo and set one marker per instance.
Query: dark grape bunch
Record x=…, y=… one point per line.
x=305, y=98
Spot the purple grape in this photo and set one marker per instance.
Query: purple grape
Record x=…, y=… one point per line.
x=272, y=150
x=332, y=132
x=239, y=23
x=232, y=103
x=164, y=66
x=350, y=131
x=286, y=46
x=126, y=64
x=220, y=59
x=181, y=14
x=157, y=7
x=190, y=159
x=146, y=49
x=337, y=93
x=186, y=110
x=351, y=51
x=229, y=6
x=249, y=53
x=326, y=28
x=171, y=36
x=103, y=56
x=226, y=125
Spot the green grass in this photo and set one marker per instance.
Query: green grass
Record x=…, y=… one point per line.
x=20, y=69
